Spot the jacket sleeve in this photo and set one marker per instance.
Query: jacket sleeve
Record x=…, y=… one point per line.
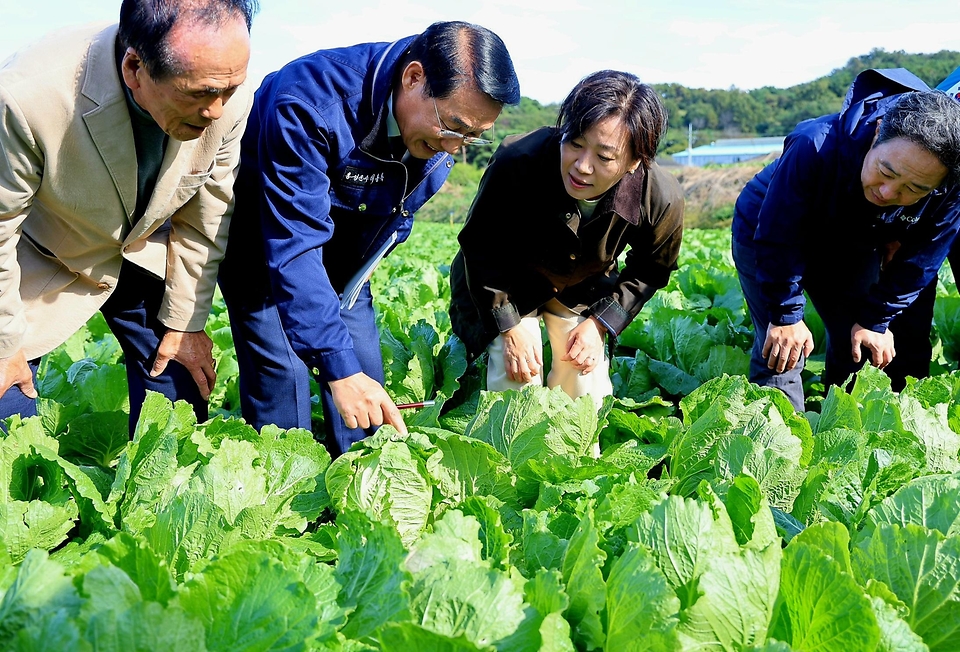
x=198, y=234
x=21, y=169
x=653, y=253
x=915, y=264
x=497, y=248
x=294, y=153
x=792, y=196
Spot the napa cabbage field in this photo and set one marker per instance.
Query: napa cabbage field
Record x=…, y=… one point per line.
x=716, y=517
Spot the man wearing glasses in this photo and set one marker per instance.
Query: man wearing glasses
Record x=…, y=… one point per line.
x=342, y=147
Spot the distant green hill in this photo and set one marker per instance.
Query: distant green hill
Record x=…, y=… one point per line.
x=770, y=111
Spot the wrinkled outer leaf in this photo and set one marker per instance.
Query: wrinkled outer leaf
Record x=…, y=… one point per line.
x=386, y=482
x=832, y=539
x=923, y=570
x=51, y=630
x=840, y=410
x=931, y=426
x=541, y=547
x=930, y=501
x=743, y=501
x=454, y=538
x=369, y=570
x=189, y=529
x=249, y=601
x=146, y=627
x=545, y=592
x=469, y=467
x=464, y=598
x=233, y=478
x=555, y=634
x=150, y=573
x=149, y=464
x=96, y=438
x=739, y=592
x=535, y=423
x=822, y=608
x=585, y=586
x=642, y=609
x=895, y=633
x=405, y=637
x=107, y=589
x=494, y=538
x=36, y=524
x=683, y=537
x=40, y=589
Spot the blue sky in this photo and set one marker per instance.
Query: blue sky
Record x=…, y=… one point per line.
x=698, y=43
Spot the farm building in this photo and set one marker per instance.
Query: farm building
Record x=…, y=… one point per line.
x=730, y=150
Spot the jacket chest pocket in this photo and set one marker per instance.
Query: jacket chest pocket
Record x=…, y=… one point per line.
x=372, y=191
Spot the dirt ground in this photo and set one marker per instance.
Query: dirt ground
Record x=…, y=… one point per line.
x=710, y=192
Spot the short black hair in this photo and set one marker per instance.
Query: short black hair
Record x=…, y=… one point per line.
x=455, y=53
x=145, y=25
x=607, y=93
x=931, y=119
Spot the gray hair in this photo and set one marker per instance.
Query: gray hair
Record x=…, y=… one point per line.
x=931, y=119
x=146, y=24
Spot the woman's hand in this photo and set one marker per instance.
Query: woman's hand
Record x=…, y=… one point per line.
x=880, y=345
x=785, y=344
x=585, y=345
x=521, y=355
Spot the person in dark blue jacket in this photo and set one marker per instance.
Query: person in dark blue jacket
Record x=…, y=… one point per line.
x=912, y=326
x=341, y=148
x=819, y=220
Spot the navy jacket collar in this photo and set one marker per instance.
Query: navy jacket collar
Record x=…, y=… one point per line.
x=377, y=87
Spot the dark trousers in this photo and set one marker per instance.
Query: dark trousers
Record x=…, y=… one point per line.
x=14, y=401
x=836, y=285
x=131, y=313
x=911, y=337
x=274, y=381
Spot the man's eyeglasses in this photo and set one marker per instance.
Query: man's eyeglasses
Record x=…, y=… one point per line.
x=443, y=132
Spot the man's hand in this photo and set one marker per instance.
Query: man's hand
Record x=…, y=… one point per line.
x=585, y=345
x=363, y=402
x=880, y=345
x=784, y=345
x=521, y=355
x=14, y=371
x=194, y=351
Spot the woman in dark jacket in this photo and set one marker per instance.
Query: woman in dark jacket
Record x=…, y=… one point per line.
x=555, y=209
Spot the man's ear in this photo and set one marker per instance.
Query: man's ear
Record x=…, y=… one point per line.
x=130, y=67
x=413, y=76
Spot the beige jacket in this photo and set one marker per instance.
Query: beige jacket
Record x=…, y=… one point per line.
x=68, y=184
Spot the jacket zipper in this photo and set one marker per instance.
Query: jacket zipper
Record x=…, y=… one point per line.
x=406, y=180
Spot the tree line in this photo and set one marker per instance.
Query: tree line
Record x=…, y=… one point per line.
x=770, y=111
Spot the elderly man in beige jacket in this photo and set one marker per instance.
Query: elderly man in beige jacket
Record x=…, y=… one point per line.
x=118, y=150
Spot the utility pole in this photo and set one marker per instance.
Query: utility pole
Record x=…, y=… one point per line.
x=690, y=143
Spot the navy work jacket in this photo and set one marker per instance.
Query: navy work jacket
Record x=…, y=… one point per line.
x=808, y=206
x=319, y=185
